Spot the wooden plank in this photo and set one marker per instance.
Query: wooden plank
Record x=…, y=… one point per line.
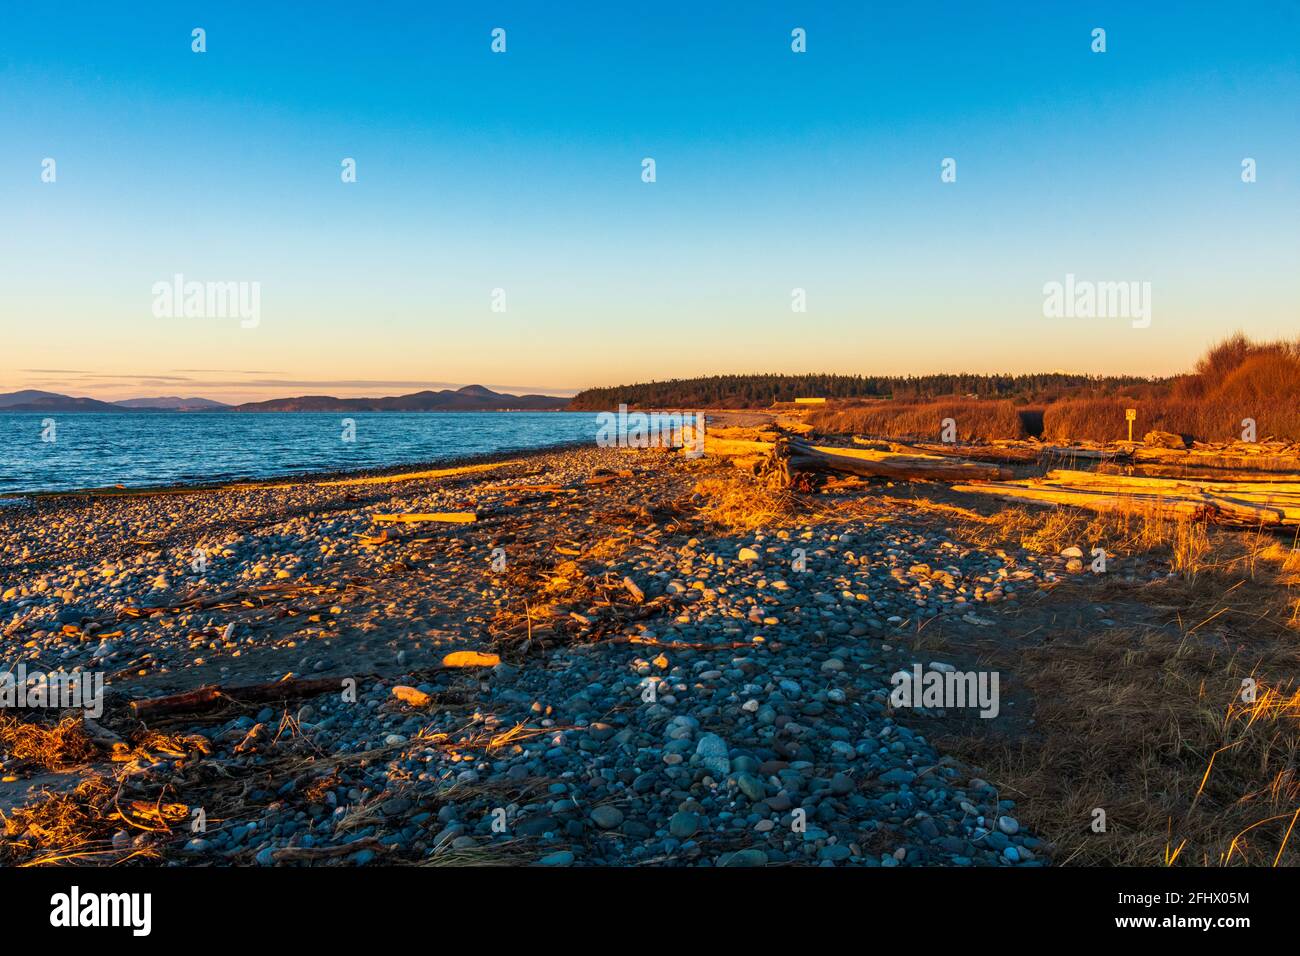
x=1266, y=493
x=736, y=446
x=445, y=517
x=1190, y=501
x=1215, y=458
x=1196, y=473
x=414, y=475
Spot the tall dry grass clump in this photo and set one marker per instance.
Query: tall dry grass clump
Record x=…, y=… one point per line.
x=1235, y=380
x=975, y=420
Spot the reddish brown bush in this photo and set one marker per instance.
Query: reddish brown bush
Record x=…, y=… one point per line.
x=1236, y=379
x=975, y=421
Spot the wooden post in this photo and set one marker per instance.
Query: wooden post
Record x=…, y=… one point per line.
x=1130, y=414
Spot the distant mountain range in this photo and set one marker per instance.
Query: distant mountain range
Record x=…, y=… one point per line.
x=31, y=400
x=468, y=399
x=172, y=404
x=471, y=398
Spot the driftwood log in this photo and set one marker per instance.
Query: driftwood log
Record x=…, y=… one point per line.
x=792, y=456
x=1240, y=503
x=984, y=453
x=1195, y=473
x=214, y=696
x=1240, y=457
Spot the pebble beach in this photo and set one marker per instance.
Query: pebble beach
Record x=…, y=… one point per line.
x=645, y=686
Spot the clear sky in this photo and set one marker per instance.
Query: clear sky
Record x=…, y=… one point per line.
x=522, y=171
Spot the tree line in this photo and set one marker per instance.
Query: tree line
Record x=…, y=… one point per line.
x=760, y=391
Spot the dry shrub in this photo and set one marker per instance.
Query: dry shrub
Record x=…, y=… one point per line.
x=1210, y=420
x=1086, y=419
x=1238, y=367
x=1236, y=379
x=975, y=420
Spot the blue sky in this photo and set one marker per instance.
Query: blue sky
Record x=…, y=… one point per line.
x=522, y=171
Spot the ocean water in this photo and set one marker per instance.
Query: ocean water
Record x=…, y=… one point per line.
x=141, y=449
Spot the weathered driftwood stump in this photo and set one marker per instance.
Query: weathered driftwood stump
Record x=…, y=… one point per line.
x=780, y=470
x=774, y=471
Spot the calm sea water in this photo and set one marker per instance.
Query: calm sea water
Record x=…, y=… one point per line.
x=146, y=448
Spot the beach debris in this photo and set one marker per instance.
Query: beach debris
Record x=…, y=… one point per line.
x=412, y=696
x=215, y=696
x=446, y=517
x=1243, y=456
x=418, y=475
x=1201, y=473
x=998, y=452
x=470, y=659
x=1158, y=439
x=633, y=589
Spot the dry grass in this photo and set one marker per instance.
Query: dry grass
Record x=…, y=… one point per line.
x=1151, y=723
x=975, y=420
x=63, y=745
x=1120, y=532
x=497, y=853
x=64, y=827
x=1209, y=420
x=78, y=827
x=731, y=503
x=1236, y=379
x=1153, y=730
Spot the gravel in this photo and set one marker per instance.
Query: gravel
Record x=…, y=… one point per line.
x=769, y=737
